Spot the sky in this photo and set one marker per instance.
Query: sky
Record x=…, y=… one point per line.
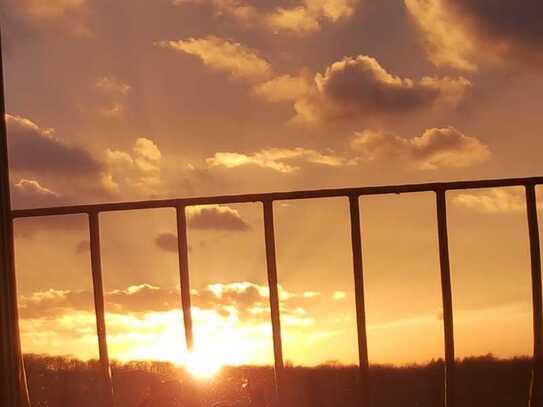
x=134, y=100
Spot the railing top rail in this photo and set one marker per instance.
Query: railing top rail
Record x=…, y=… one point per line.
x=277, y=196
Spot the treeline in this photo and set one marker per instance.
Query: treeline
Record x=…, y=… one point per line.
x=480, y=382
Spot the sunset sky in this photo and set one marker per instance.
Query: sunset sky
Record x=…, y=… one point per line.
x=134, y=99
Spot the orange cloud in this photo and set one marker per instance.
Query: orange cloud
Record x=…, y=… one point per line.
x=216, y=217
x=51, y=8
x=36, y=150
x=435, y=148
x=457, y=32
x=68, y=15
x=138, y=170
x=278, y=159
x=111, y=85
x=299, y=19
x=495, y=201
x=167, y=242
x=246, y=301
x=114, y=92
x=28, y=192
x=358, y=87
x=446, y=41
x=284, y=88
x=296, y=19
x=231, y=57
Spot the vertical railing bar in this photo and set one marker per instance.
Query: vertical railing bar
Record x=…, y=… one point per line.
x=356, y=240
x=271, y=263
x=446, y=289
x=536, y=386
x=183, y=254
x=98, y=290
x=13, y=384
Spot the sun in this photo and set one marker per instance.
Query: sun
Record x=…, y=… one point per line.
x=203, y=365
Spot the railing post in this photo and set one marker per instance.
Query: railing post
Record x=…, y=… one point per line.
x=358, y=270
x=274, y=299
x=441, y=203
x=98, y=290
x=183, y=254
x=536, y=386
x=13, y=390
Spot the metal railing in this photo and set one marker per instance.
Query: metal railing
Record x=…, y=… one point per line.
x=353, y=195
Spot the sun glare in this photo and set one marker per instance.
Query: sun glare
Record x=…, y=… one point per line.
x=203, y=365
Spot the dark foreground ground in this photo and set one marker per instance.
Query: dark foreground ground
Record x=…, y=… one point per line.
x=481, y=382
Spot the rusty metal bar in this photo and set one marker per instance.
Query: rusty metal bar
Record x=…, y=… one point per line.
x=356, y=240
x=98, y=290
x=441, y=201
x=13, y=389
x=274, y=299
x=277, y=196
x=536, y=387
x=183, y=253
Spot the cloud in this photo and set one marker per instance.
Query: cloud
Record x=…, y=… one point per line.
x=216, y=217
x=339, y=295
x=447, y=44
x=457, y=32
x=284, y=88
x=308, y=17
x=358, y=87
x=51, y=8
x=147, y=155
x=138, y=170
x=296, y=20
x=234, y=58
x=111, y=85
x=208, y=217
x=145, y=322
x=278, y=159
x=167, y=242
x=435, y=148
x=52, y=303
x=67, y=15
x=29, y=192
x=495, y=201
x=36, y=150
x=302, y=18
x=113, y=93
x=334, y=10
x=244, y=300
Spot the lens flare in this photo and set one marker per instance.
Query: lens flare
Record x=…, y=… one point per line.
x=203, y=365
